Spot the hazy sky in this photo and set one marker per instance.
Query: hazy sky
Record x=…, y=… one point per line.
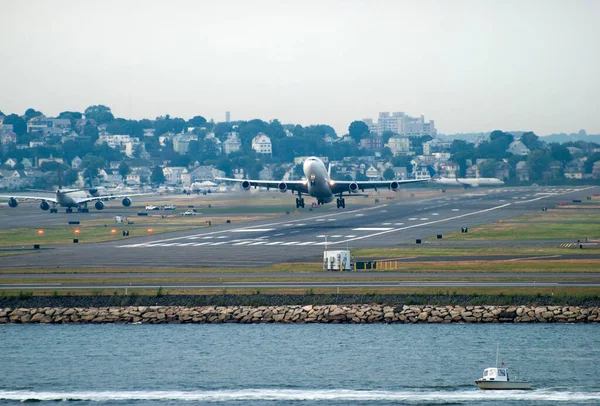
x=469, y=65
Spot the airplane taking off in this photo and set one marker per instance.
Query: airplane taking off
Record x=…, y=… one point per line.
x=73, y=198
x=319, y=185
x=470, y=182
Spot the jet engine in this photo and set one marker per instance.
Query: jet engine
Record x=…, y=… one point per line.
x=12, y=202
x=246, y=185
x=353, y=187
x=44, y=205
x=394, y=186
x=126, y=202
x=282, y=187
x=93, y=191
x=99, y=205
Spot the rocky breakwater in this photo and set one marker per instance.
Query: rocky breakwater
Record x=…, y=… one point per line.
x=304, y=314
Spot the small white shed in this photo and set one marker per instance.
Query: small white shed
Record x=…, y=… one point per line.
x=337, y=260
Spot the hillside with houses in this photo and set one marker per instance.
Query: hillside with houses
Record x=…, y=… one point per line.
x=94, y=147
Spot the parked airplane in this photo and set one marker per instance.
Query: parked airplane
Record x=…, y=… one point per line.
x=318, y=184
x=73, y=198
x=469, y=182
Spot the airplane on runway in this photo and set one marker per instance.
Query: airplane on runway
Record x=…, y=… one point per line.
x=319, y=184
x=469, y=182
x=73, y=198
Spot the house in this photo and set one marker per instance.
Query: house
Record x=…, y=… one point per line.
x=400, y=172
x=522, y=171
x=202, y=173
x=596, y=170
x=399, y=145
x=372, y=142
x=472, y=171
x=13, y=179
x=173, y=174
x=181, y=142
x=149, y=132
x=59, y=126
x=168, y=136
x=262, y=144
x=7, y=135
x=27, y=164
x=449, y=169
x=38, y=124
x=372, y=173
x=232, y=143
x=266, y=173
x=115, y=141
x=517, y=148
x=502, y=170
x=10, y=163
x=76, y=163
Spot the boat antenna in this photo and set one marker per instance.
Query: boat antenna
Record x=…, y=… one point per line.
x=497, y=350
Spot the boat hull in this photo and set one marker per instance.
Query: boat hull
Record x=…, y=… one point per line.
x=503, y=385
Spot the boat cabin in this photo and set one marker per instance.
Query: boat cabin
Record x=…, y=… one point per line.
x=495, y=374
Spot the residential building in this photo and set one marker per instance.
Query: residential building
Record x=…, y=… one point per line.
x=115, y=141
x=76, y=163
x=10, y=163
x=517, y=148
x=37, y=124
x=373, y=142
x=399, y=145
x=401, y=124
x=232, y=143
x=262, y=144
x=372, y=173
x=202, y=173
x=522, y=171
x=173, y=174
x=181, y=142
x=596, y=170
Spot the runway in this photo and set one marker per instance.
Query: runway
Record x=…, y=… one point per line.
x=302, y=236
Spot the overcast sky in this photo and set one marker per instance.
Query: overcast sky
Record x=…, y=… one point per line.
x=469, y=65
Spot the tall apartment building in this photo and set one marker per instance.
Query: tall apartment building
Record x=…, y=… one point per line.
x=401, y=124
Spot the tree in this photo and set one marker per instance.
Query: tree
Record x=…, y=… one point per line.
x=91, y=131
x=588, y=166
x=91, y=165
x=358, y=130
x=196, y=121
x=530, y=140
x=538, y=161
x=386, y=135
x=99, y=113
x=560, y=153
x=71, y=115
x=70, y=176
x=389, y=174
x=487, y=169
x=124, y=169
x=19, y=125
x=31, y=113
x=157, y=177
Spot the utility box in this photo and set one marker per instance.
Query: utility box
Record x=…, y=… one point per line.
x=337, y=260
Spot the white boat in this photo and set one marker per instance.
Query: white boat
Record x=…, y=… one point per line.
x=498, y=379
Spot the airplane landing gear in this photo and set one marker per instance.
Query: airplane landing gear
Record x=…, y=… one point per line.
x=53, y=210
x=341, y=202
x=320, y=202
x=299, y=202
x=69, y=210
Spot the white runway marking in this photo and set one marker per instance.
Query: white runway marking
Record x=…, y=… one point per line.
x=372, y=229
x=455, y=209
x=249, y=230
x=424, y=218
x=412, y=218
x=335, y=236
x=277, y=235
x=207, y=237
x=349, y=236
x=202, y=243
x=386, y=224
x=398, y=224
x=435, y=214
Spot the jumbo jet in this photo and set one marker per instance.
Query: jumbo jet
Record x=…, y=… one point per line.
x=73, y=198
x=319, y=185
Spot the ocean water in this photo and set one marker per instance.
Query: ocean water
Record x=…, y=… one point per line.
x=295, y=364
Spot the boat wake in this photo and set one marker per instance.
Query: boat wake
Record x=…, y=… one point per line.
x=291, y=395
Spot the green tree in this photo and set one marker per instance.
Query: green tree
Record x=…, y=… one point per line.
x=157, y=177
x=560, y=153
x=196, y=121
x=487, y=169
x=31, y=113
x=386, y=135
x=588, y=166
x=278, y=172
x=538, y=161
x=124, y=169
x=19, y=125
x=357, y=130
x=91, y=165
x=531, y=141
x=389, y=174
x=91, y=131
x=99, y=113
x=70, y=176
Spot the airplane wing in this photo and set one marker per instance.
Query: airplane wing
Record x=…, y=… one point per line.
x=37, y=198
x=106, y=198
x=340, y=186
x=293, y=185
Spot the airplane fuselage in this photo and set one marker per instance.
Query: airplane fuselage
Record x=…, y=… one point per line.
x=70, y=198
x=318, y=181
x=473, y=182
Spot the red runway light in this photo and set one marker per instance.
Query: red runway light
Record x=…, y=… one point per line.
x=40, y=232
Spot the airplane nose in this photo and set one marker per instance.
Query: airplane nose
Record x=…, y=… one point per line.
x=307, y=167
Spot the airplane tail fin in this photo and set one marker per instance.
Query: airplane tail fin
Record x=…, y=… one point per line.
x=432, y=172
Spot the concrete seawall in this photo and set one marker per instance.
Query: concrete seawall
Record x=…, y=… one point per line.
x=355, y=314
